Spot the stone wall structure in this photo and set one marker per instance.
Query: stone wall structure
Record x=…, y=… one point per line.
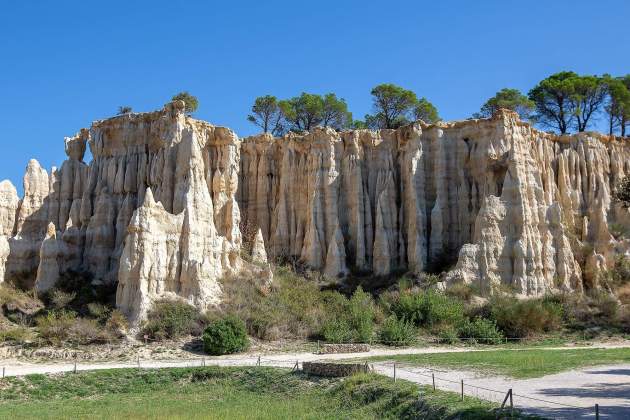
x=159, y=209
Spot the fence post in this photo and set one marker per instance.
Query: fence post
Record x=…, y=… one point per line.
x=433, y=377
x=596, y=411
x=462, y=390
x=3, y=368
x=258, y=361
x=511, y=404
x=75, y=367
x=394, y=371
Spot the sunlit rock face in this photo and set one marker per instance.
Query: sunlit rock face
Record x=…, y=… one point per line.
x=160, y=208
x=154, y=211
x=508, y=204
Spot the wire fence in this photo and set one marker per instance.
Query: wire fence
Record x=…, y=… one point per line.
x=393, y=369
x=485, y=393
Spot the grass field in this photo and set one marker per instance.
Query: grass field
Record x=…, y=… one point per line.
x=517, y=363
x=226, y=393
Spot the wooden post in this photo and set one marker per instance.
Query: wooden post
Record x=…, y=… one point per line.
x=3, y=368
x=462, y=390
x=394, y=371
x=511, y=404
x=433, y=377
x=75, y=367
x=258, y=361
x=596, y=411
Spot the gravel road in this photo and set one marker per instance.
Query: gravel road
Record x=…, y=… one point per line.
x=571, y=395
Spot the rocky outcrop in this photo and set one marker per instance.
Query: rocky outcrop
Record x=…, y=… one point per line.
x=154, y=211
x=159, y=209
x=9, y=204
x=259, y=253
x=510, y=205
x=48, y=268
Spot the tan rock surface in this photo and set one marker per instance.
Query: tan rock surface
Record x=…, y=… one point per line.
x=158, y=209
x=259, y=254
x=48, y=268
x=512, y=205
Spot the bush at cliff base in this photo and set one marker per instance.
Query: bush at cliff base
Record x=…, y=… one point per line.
x=225, y=336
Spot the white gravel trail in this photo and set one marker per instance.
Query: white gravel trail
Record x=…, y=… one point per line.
x=571, y=395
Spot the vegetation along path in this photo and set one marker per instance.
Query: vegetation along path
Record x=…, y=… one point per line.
x=569, y=394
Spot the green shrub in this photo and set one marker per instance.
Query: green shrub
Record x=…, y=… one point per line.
x=448, y=335
x=292, y=307
x=461, y=291
x=19, y=300
x=361, y=315
x=619, y=275
x=397, y=332
x=430, y=308
x=170, y=319
x=86, y=331
x=60, y=299
x=622, y=192
x=606, y=307
x=18, y=335
x=349, y=320
x=190, y=102
x=117, y=323
x=225, y=336
x=480, y=330
x=337, y=330
x=61, y=326
x=98, y=310
x=55, y=325
x=522, y=318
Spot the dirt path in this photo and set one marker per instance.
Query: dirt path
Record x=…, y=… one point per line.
x=571, y=394
x=567, y=395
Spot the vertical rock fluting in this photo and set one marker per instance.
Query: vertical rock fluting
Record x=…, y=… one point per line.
x=512, y=205
x=158, y=209
x=96, y=219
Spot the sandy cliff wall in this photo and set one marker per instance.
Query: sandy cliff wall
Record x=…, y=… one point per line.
x=160, y=208
x=155, y=210
x=512, y=205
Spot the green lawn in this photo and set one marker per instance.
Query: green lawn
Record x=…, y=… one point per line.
x=226, y=393
x=517, y=363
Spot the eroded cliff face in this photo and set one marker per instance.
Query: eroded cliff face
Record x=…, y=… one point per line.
x=511, y=205
x=158, y=209
x=154, y=211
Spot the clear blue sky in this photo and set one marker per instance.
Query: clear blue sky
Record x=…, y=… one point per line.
x=64, y=64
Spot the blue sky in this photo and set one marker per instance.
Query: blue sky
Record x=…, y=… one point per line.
x=64, y=64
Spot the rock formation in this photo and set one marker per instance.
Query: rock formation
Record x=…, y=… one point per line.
x=154, y=211
x=158, y=209
x=509, y=204
x=259, y=253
